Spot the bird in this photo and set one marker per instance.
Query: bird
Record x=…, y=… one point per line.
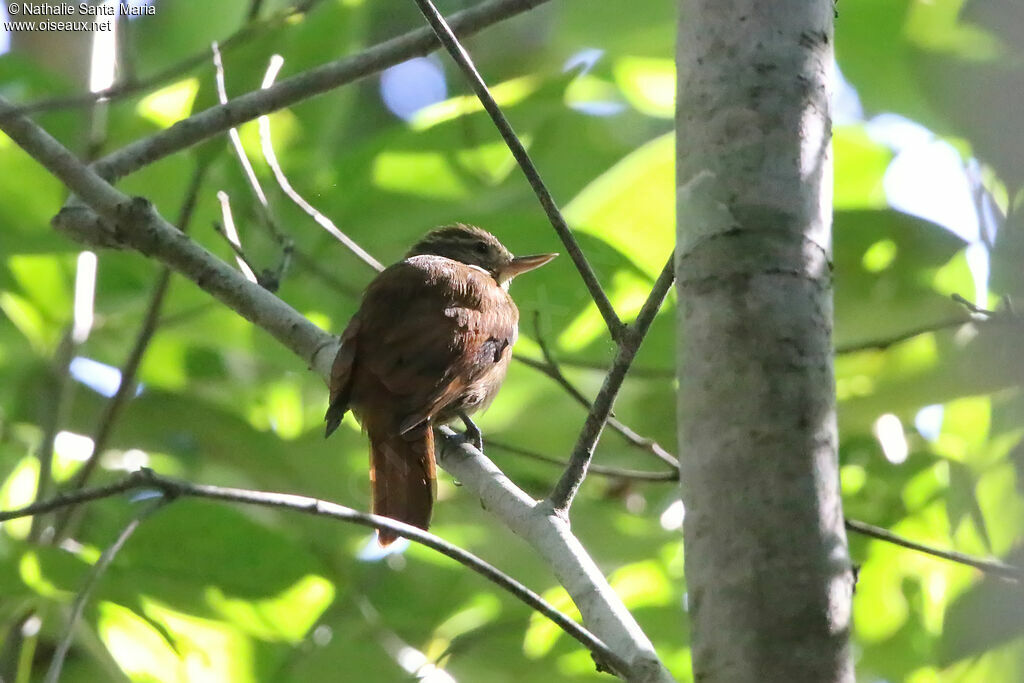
x=431, y=342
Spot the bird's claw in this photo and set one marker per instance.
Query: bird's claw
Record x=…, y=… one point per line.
x=472, y=433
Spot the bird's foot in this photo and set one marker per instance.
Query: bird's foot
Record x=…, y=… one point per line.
x=472, y=433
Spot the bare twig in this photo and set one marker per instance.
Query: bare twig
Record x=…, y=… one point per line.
x=551, y=368
x=98, y=569
x=269, y=279
x=323, y=221
x=882, y=344
x=603, y=470
x=974, y=308
x=303, y=86
x=236, y=140
x=458, y=53
x=565, y=490
x=994, y=567
x=174, y=488
x=583, y=364
x=227, y=229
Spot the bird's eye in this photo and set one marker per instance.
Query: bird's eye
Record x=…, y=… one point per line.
x=481, y=248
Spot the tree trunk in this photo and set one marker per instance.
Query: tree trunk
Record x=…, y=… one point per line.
x=767, y=568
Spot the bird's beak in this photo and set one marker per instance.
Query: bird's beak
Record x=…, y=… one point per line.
x=521, y=264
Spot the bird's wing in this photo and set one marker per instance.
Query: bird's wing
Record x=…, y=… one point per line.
x=430, y=326
x=342, y=376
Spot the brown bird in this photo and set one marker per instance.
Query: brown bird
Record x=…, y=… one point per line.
x=431, y=342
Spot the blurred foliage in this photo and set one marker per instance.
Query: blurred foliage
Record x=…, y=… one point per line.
x=205, y=592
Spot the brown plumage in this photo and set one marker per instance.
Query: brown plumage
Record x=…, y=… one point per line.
x=431, y=341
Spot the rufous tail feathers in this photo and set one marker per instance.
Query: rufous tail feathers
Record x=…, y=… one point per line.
x=402, y=475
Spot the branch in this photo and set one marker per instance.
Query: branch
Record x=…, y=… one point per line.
x=137, y=224
x=603, y=470
x=226, y=229
x=636, y=371
x=883, y=344
x=174, y=488
x=267, y=145
x=57, y=663
x=447, y=37
x=1004, y=571
x=270, y=279
x=973, y=308
x=551, y=368
x=565, y=490
x=551, y=538
x=316, y=81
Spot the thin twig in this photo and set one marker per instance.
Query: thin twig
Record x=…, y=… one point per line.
x=267, y=145
x=131, y=85
x=174, y=488
x=603, y=470
x=84, y=593
x=562, y=495
x=230, y=234
x=552, y=369
x=267, y=278
x=972, y=307
x=883, y=344
x=994, y=567
x=236, y=140
x=583, y=364
x=316, y=81
x=515, y=145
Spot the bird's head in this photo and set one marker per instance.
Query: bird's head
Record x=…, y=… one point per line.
x=475, y=247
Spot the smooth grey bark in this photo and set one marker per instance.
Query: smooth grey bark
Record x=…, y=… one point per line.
x=767, y=567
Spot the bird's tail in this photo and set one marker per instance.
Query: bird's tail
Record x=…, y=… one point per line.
x=402, y=475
